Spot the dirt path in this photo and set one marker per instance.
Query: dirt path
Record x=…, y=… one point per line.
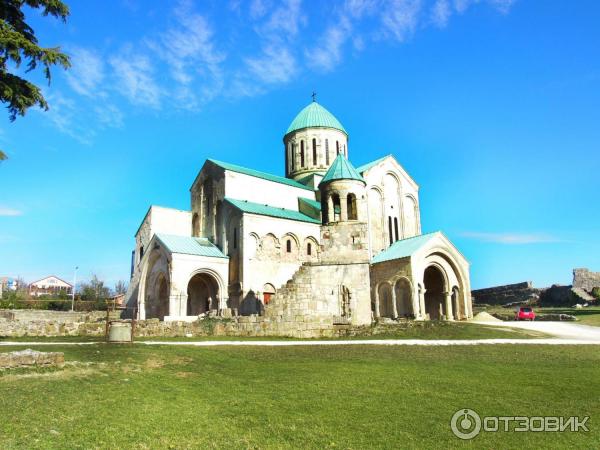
x=564, y=330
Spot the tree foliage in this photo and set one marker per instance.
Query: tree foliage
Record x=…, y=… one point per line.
x=120, y=287
x=94, y=290
x=19, y=46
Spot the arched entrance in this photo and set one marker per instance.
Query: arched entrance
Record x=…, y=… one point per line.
x=203, y=294
x=268, y=293
x=403, y=298
x=386, y=308
x=435, y=288
x=157, y=300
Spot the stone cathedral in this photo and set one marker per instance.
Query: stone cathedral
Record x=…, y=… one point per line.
x=326, y=244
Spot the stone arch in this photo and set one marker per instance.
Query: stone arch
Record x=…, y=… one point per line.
x=386, y=307
x=351, y=207
x=435, y=281
x=269, y=292
x=313, y=255
x=291, y=246
x=410, y=214
x=404, y=297
x=204, y=292
x=376, y=216
x=336, y=205
x=269, y=246
x=391, y=192
x=456, y=276
x=253, y=245
x=154, y=296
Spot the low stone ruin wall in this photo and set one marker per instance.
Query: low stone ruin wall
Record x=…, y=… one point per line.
x=509, y=293
x=31, y=358
x=94, y=324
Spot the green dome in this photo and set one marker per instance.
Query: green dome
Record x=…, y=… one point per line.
x=315, y=116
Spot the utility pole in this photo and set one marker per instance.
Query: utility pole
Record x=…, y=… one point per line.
x=73, y=290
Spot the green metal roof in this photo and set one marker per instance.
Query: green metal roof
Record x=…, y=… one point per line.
x=341, y=169
x=271, y=211
x=188, y=245
x=315, y=116
x=404, y=248
x=314, y=203
x=259, y=174
x=367, y=166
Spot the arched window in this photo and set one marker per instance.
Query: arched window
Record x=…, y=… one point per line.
x=327, y=151
x=337, y=147
x=235, y=238
x=337, y=210
x=314, y=152
x=293, y=156
x=288, y=246
x=396, y=227
x=390, y=229
x=141, y=252
x=309, y=249
x=301, y=153
x=195, y=225
x=351, y=202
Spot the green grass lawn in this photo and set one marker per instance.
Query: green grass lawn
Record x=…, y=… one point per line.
x=296, y=397
x=426, y=330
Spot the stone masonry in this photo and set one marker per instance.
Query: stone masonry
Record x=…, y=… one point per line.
x=31, y=358
x=509, y=293
x=585, y=279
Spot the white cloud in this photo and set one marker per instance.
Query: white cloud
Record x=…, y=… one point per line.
x=191, y=60
x=194, y=62
x=440, y=13
x=69, y=118
x=285, y=21
x=87, y=71
x=258, y=8
x=275, y=65
x=108, y=115
x=135, y=79
x=399, y=18
x=511, y=238
x=327, y=56
x=10, y=212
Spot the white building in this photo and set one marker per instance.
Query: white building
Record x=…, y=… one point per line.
x=50, y=285
x=327, y=242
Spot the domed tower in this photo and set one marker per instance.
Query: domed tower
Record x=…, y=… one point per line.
x=344, y=213
x=312, y=141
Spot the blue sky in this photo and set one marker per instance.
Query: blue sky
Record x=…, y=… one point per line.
x=491, y=105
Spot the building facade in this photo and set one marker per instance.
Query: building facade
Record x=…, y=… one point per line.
x=50, y=285
x=327, y=243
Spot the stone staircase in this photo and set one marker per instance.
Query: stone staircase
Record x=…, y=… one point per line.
x=582, y=295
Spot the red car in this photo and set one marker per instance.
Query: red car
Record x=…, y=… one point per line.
x=525, y=313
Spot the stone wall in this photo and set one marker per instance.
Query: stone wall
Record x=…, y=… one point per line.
x=31, y=358
x=584, y=279
x=15, y=324
x=509, y=293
